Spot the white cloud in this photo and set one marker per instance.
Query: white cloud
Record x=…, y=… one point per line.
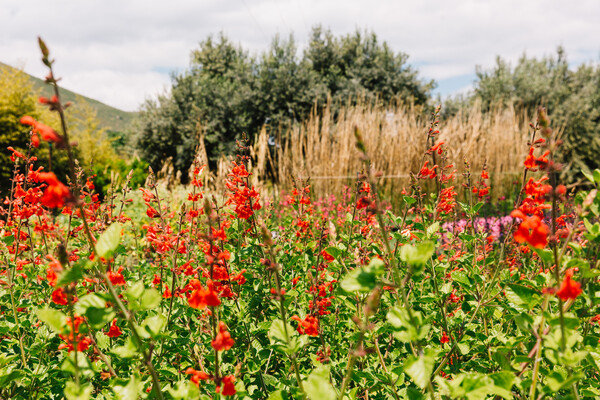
x=118, y=51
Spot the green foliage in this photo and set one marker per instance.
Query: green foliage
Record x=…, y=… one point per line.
x=364, y=279
x=116, y=171
x=109, y=240
x=93, y=148
x=16, y=100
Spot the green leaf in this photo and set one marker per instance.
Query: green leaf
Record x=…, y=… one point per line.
x=150, y=299
x=109, y=240
x=91, y=300
x=545, y=255
x=589, y=177
x=364, y=279
x=520, y=295
x=128, y=350
x=463, y=348
x=141, y=299
x=130, y=391
x=466, y=237
x=503, y=382
x=462, y=278
x=277, y=332
x=154, y=325
x=98, y=317
x=409, y=200
x=55, y=319
x=405, y=331
x=94, y=308
x=477, y=386
x=596, y=175
x=318, y=387
x=102, y=341
x=417, y=254
x=433, y=228
x=278, y=395
x=73, y=274
x=8, y=375
x=135, y=291
x=184, y=390
x=333, y=251
x=420, y=368
x=477, y=207
x=74, y=392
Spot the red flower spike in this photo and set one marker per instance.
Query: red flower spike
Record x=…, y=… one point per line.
x=116, y=278
x=531, y=230
x=114, y=330
x=223, y=341
x=56, y=194
x=197, y=376
x=59, y=297
x=569, y=289
x=444, y=338
x=309, y=326
x=228, y=386
x=46, y=133
x=196, y=300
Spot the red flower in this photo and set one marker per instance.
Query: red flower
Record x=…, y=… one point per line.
x=53, y=268
x=200, y=297
x=197, y=376
x=223, y=341
x=152, y=213
x=309, y=326
x=15, y=154
x=56, y=194
x=83, y=342
x=196, y=300
x=114, y=330
x=328, y=257
x=569, y=289
x=447, y=200
x=228, y=386
x=362, y=202
x=531, y=230
x=531, y=162
x=245, y=198
x=46, y=133
x=211, y=296
x=426, y=172
x=116, y=278
x=59, y=297
x=444, y=339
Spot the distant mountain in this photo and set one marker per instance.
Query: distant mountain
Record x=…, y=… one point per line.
x=109, y=117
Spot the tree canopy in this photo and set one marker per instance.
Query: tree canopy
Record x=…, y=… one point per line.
x=571, y=96
x=227, y=92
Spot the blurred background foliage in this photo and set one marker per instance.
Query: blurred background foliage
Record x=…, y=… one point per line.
x=97, y=149
x=227, y=91
x=572, y=97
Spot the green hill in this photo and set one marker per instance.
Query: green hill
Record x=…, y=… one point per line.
x=110, y=118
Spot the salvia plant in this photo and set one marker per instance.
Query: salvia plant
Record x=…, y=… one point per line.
x=232, y=295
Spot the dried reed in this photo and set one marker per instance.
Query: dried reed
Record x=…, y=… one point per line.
x=323, y=147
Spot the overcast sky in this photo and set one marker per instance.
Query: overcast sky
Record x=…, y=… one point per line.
x=122, y=51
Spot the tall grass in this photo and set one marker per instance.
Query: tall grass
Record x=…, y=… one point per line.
x=323, y=147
